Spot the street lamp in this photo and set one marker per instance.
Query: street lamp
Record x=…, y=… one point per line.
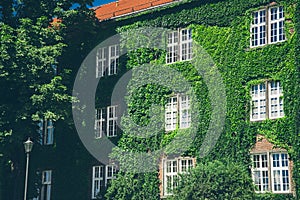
x=28, y=147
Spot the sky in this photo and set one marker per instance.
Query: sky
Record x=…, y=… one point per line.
x=95, y=3
x=100, y=2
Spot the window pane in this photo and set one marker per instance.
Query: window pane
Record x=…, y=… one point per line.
x=275, y=160
x=112, y=121
x=186, y=44
x=285, y=180
x=275, y=100
x=172, y=47
x=257, y=179
x=101, y=62
x=171, y=114
x=264, y=160
x=258, y=28
x=258, y=103
x=256, y=161
x=277, y=24
x=284, y=160
x=265, y=181
x=185, y=113
x=276, y=180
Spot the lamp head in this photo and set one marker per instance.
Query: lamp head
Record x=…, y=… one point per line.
x=28, y=145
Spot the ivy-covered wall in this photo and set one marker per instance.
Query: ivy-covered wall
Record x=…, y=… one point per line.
x=222, y=28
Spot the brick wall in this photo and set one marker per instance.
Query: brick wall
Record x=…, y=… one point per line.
x=262, y=145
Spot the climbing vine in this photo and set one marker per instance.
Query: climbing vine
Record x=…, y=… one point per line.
x=222, y=29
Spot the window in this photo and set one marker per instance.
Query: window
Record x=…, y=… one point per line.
x=267, y=26
x=111, y=121
x=177, y=111
x=107, y=60
x=270, y=172
x=100, y=123
x=179, y=45
x=171, y=169
x=267, y=101
x=97, y=181
x=106, y=122
x=101, y=178
x=171, y=113
x=46, y=185
x=111, y=171
x=101, y=62
x=185, y=115
x=46, y=131
x=114, y=52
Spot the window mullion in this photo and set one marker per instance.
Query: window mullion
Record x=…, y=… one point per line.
x=106, y=175
x=165, y=183
x=261, y=171
x=178, y=111
x=93, y=183
x=45, y=131
x=289, y=174
x=175, y=47
x=270, y=169
x=179, y=45
x=109, y=60
x=268, y=23
x=281, y=169
x=267, y=99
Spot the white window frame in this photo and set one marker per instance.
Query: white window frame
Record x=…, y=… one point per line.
x=110, y=173
x=46, y=131
x=281, y=169
x=185, y=113
x=112, y=121
x=46, y=185
x=260, y=172
x=179, y=46
x=259, y=28
x=266, y=101
x=275, y=100
x=114, y=53
x=262, y=24
x=172, y=47
x=271, y=169
x=186, y=44
x=170, y=175
x=107, y=60
x=106, y=122
x=171, y=113
x=258, y=102
x=100, y=121
x=177, y=112
x=101, y=62
x=97, y=180
x=171, y=169
x=279, y=21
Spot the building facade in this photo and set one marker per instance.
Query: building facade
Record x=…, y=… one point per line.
x=255, y=48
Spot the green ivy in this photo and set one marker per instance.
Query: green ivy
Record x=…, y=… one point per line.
x=222, y=29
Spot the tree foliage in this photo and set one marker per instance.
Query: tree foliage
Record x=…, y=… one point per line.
x=30, y=86
x=133, y=186
x=215, y=181
x=35, y=75
x=222, y=29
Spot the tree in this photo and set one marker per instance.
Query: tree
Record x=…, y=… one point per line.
x=30, y=88
x=134, y=186
x=215, y=180
x=35, y=75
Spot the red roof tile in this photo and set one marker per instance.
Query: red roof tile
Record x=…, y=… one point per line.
x=55, y=22
x=123, y=7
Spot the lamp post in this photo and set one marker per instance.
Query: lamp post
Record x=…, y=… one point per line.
x=28, y=147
